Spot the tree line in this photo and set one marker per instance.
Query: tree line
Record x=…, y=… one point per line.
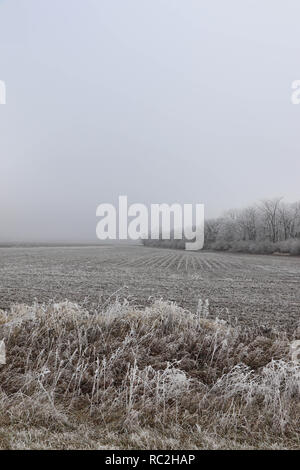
x=268, y=226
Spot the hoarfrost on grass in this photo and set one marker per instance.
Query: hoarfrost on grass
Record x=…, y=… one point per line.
x=158, y=377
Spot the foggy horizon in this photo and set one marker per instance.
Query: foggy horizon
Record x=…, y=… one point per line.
x=164, y=102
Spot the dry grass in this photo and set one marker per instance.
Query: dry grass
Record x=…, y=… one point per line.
x=161, y=377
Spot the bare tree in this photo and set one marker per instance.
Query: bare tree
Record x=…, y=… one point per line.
x=270, y=212
x=247, y=220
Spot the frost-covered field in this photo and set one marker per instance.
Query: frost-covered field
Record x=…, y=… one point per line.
x=251, y=288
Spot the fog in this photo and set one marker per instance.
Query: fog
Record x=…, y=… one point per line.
x=162, y=101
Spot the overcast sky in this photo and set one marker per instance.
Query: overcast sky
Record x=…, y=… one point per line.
x=161, y=100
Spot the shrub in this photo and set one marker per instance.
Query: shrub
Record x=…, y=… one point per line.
x=291, y=246
x=161, y=377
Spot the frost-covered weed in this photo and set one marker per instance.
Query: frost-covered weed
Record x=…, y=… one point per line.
x=161, y=377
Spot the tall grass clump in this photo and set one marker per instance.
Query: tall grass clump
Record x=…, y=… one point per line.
x=160, y=377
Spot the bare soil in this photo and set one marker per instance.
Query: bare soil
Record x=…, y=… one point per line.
x=247, y=289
